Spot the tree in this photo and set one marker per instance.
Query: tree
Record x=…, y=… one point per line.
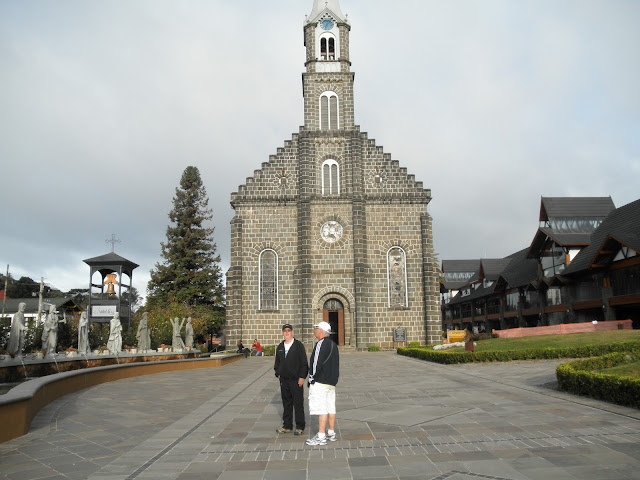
x=190, y=273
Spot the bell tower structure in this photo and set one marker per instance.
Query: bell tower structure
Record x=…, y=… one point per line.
x=331, y=228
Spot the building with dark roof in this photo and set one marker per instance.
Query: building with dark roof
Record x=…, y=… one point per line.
x=582, y=265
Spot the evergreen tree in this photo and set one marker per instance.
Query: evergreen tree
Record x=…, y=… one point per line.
x=190, y=273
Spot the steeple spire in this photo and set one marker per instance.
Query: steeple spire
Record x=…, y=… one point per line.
x=320, y=6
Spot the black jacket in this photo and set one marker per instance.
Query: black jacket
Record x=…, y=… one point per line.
x=328, y=367
x=294, y=365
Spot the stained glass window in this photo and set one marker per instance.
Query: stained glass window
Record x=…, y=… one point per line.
x=268, y=280
x=397, y=275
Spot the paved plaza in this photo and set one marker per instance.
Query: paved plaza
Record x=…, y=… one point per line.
x=398, y=418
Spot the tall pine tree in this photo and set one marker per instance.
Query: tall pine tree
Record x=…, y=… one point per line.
x=190, y=273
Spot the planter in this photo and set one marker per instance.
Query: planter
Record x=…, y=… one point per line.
x=38, y=355
x=96, y=352
x=133, y=350
x=71, y=354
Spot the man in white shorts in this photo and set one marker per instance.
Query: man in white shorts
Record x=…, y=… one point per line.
x=323, y=378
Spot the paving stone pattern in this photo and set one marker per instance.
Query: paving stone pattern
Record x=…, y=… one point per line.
x=398, y=418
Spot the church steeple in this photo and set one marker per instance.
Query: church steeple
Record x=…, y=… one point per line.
x=328, y=81
x=319, y=6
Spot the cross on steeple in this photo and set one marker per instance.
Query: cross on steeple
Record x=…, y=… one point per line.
x=113, y=240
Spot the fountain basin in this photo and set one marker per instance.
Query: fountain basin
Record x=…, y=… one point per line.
x=21, y=404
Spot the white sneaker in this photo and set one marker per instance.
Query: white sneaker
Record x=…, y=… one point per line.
x=317, y=440
x=331, y=436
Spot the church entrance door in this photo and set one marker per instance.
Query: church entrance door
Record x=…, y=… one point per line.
x=333, y=314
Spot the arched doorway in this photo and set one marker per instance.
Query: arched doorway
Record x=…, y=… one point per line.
x=333, y=314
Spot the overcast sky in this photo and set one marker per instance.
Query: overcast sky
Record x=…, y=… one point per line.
x=492, y=104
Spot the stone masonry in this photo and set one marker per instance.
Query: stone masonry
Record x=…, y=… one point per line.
x=332, y=246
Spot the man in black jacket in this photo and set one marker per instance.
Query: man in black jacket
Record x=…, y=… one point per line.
x=291, y=368
x=323, y=378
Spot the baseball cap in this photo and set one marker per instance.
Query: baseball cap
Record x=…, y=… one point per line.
x=323, y=326
x=287, y=325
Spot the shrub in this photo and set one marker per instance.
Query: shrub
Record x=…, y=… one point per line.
x=373, y=348
x=414, y=344
x=269, y=350
x=578, y=377
x=524, y=354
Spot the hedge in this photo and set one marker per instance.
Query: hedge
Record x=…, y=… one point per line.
x=524, y=354
x=579, y=378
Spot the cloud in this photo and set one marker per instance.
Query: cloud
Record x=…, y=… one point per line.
x=491, y=104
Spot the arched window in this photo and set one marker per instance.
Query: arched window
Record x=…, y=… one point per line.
x=330, y=178
x=397, y=277
x=268, y=275
x=327, y=47
x=329, y=111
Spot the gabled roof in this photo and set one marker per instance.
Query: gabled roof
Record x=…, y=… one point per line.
x=553, y=207
x=520, y=272
x=476, y=293
x=621, y=227
x=492, y=267
x=459, y=266
x=61, y=303
x=560, y=239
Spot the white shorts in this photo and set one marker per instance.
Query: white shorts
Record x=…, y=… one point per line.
x=322, y=399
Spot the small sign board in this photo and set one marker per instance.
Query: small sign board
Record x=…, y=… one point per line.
x=399, y=335
x=103, y=310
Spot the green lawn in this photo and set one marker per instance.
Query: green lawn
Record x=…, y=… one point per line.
x=553, y=341
x=627, y=370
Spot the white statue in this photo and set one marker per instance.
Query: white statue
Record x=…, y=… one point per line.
x=188, y=334
x=176, y=341
x=143, y=335
x=114, y=344
x=50, y=331
x=83, y=334
x=16, y=336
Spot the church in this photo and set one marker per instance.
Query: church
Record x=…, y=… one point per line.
x=331, y=228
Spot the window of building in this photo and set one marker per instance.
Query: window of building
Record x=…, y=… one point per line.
x=327, y=47
x=330, y=178
x=268, y=292
x=329, y=111
x=397, y=277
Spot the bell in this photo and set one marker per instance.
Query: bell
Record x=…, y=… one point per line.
x=110, y=281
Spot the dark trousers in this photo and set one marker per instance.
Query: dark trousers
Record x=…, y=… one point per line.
x=292, y=399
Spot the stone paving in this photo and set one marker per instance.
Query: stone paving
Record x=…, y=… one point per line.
x=398, y=418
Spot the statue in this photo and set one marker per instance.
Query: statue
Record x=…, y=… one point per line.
x=177, y=342
x=114, y=344
x=143, y=336
x=188, y=334
x=16, y=336
x=50, y=331
x=83, y=334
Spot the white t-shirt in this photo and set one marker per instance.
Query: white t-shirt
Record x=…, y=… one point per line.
x=287, y=346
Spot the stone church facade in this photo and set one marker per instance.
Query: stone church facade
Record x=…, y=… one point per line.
x=331, y=228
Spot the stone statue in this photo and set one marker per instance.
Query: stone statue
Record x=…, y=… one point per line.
x=83, y=334
x=50, y=331
x=143, y=336
x=176, y=341
x=114, y=344
x=16, y=336
x=188, y=334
